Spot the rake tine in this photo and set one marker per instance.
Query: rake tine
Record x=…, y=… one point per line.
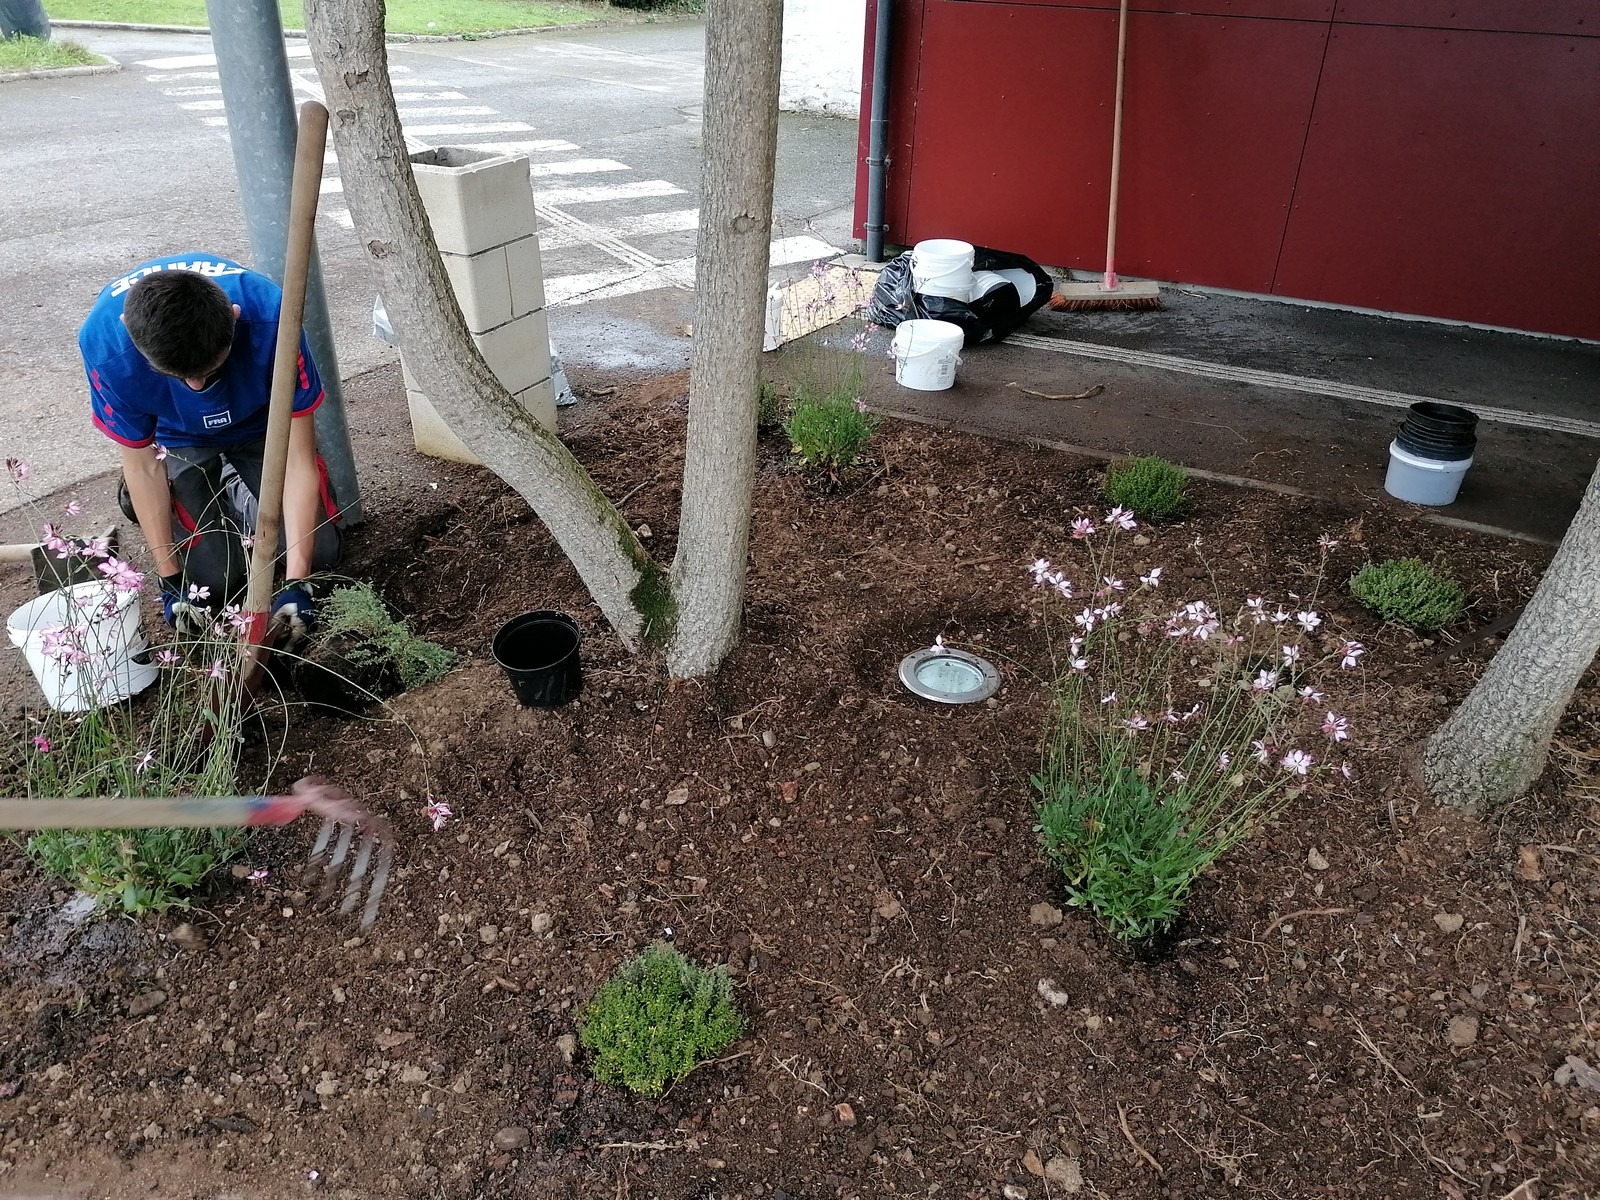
x=319, y=848
x=380, y=880
x=352, y=890
x=330, y=873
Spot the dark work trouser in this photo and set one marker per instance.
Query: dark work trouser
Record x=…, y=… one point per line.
x=214, y=503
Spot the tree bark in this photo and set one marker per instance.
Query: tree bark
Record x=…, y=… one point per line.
x=347, y=47
x=744, y=42
x=1493, y=748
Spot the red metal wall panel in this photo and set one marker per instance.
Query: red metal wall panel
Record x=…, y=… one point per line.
x=1013, y=136
x=1576, y=18
x=1453, y=174
x=1287, y=10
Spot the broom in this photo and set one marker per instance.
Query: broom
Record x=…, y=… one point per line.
x=1111, y=292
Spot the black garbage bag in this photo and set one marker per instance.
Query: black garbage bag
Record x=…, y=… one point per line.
x=989, y=318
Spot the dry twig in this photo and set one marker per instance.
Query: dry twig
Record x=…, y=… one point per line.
x=1303, y=912
x=1372, y=1048
x=1086, y=394
x=1122, y=1119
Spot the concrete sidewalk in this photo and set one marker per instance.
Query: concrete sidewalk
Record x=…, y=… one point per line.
x=1285, y=395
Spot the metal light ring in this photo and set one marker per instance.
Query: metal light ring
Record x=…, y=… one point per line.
x=909, y=676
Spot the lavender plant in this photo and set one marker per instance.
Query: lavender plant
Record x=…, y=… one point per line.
x=1177, y=731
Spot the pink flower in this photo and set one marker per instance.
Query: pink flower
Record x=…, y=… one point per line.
x=72, y=508
x=1336, y=727
x=218, y=670
x=1257, y=608
x=1327, y=542
x=1136, y=722
x=1265, y=680
x=1344, y=769
x=1121, y=518
x=1040, y=569
x=1083, y=528
x=196, y=592
x=437, y=812
x=1297, y=762
x=144, y=762
x=167, y=657
x=247, y=541
x=122, y=576
x=1279, y=617
x=1078, y=664
x=1153, y=579
x=98, y=547
x=1310, y=695
x=42, y=744
x=1291, y=654
x=1260, y=751
x=1308, y=620
x=1087, y=620
x=258, y=876
x=1115, y=585
x=1111, y=699
x=1223, y=760
x=61, y=645
x=161, y=452
x=1351, y=651
x=19, y=469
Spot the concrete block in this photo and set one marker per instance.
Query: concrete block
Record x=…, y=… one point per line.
x=518, y=352
x=431, y=435
x=475, y=199
x=540, y=400
x=405, y=373
x=526, y=271
x=482, y=287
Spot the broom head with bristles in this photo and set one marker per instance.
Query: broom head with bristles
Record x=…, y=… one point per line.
x=1073, y=297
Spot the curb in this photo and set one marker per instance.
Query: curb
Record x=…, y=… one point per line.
x=108, y=68
x=388, y=37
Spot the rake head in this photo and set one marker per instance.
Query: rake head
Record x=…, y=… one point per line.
x=350, y=838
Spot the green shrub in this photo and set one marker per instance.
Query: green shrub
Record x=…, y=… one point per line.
x=135, y=870
x=370, y=637
x=1150, y=486
x=829, y=435
x=658, y=1018
x=1410, y=592
x=769, y=405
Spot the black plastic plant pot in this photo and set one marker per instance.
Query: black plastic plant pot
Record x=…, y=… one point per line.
x=1440, y=432
x=538, y=651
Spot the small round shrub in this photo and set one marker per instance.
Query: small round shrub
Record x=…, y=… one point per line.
x=1410, y=592
x=657, y=1019
x=828, y=435
x=1150, y=486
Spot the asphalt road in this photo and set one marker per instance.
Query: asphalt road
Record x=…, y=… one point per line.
x=114, y=169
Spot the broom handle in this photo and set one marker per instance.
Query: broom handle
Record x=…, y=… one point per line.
x=309, y=149
x=1110, y=281
x=145, y=813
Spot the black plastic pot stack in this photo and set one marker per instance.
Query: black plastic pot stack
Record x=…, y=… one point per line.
x=1438, y=432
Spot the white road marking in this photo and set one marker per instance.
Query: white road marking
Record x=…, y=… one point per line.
x=486, y=127
x=169, y=76
x=341, y=216
x=330, y=186
x=454, y=110
x=201, y=105
x=642, y=225
x=566, y=290
x=1295, y=383
x=600, y=194
x=576, y=166
x=215, y=120
x=409, y=97
x=182, y=62
x=198, y=90
x=544, y=147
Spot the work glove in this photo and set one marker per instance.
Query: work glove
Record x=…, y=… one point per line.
x=296, y=607
x=185, y=608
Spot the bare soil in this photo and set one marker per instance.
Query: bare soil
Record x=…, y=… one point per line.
x=1384, y=1017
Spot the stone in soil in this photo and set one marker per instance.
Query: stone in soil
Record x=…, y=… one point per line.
x=1045, y=915
x=1448, y=922
x=512, y=1137
x=1066, y=1172
x=146, y=1002
x=1031, y=1163
x=1462, y=1031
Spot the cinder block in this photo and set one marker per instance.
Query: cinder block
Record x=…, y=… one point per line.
x=431, y=435
x=475, y=199
x=526, y=270
x=518, y=352
x=482, y=287
x=540, y=400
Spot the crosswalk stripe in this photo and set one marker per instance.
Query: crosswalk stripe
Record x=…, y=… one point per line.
x=452, y=130
x=790, y=250
x=179, y=62
x=169, y=76
x=544, y=147
x=196, y=90
x=576, y=166
x=201, y=105
x=340, y=216
x=454, y=110
x=566, y=290
x=602, y=193
x=585, y=234
x=640, y=225
x=406, y=97
x=330, y=186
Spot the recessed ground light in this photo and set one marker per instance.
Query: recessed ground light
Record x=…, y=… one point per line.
x=949, y=676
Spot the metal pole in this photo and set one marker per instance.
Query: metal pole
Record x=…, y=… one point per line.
x=247, y=36
x=878, y=133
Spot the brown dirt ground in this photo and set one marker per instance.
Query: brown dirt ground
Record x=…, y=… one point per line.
x=867, y=872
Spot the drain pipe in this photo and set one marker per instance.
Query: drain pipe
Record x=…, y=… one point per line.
x=878, y=133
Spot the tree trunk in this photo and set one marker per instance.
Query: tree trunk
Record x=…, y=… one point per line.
x=744, y=42
x=347, y=47
x=1493, y=748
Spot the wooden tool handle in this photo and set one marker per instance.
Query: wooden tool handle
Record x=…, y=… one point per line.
x=1116, y=147
x=113, y=812
x=309, y=150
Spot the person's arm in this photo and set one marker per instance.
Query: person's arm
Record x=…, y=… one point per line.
x=302, y=497
x=152, y=504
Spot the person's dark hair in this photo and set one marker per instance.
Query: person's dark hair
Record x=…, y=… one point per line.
x=180, y=321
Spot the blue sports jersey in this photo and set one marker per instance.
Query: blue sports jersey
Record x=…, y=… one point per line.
x=136, y=405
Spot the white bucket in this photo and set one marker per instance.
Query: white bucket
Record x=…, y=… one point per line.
x=1423, y=480
x=926, y=354
x=942, y=267
x=96, y=636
